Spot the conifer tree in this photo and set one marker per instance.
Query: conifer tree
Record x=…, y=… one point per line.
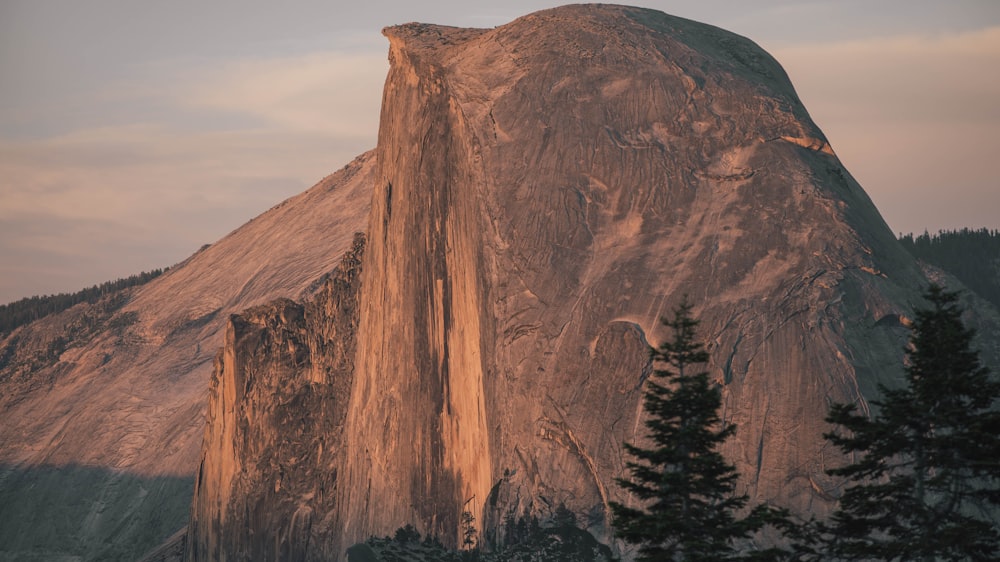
x=928, y=468
x=685, y=486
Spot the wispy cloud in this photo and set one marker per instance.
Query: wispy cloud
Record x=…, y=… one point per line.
x=903, y=76
x=913, y=117
x=208, y=148
x=332, y=93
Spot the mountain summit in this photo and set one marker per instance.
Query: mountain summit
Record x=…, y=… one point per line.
x=543, y=193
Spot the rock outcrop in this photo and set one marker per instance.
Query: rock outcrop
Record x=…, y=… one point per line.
x=103, y=405
x=276, y=413
x=543, y=193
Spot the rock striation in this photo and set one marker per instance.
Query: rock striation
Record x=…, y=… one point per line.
x=544, y=192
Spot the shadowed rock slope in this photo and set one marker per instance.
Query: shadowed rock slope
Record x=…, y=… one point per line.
x=544, y=192
x=103, y=405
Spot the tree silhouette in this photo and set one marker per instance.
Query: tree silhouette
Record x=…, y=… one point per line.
x=929, y=466
x=685, y=486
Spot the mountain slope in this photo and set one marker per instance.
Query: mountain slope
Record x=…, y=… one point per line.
x=103, y=426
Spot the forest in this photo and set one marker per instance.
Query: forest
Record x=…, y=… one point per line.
x=27, y=310
x=973, y=256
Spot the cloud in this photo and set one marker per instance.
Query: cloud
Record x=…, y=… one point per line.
x=42, y=255
x=183, y=151
x=902, y=77
x=206, y=150
x=117, y=172
x=330, y=92
x=913, y=117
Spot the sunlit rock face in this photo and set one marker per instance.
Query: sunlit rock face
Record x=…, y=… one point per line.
x=544, y=192
x=103, y=405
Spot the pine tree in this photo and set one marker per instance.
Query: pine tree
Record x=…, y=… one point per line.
x=686, y=487
x=929, y=468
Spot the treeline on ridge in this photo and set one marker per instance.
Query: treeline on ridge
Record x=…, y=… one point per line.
x=27, y=310
x=973, y=256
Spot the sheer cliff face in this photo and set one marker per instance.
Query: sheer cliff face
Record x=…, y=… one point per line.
x=545, y=192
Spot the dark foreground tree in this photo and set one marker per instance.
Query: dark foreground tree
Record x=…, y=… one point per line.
x=686, y=490
x=928, y=469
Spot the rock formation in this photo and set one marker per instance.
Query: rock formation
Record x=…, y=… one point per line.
x=103, y=405
x=543, y=193
x=276, y=413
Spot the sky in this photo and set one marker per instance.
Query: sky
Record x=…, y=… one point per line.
x=133, y=133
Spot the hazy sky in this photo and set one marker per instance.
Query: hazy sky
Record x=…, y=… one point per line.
x=131, y=133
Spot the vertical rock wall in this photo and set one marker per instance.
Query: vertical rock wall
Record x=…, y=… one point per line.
x=417, y=445
x=265, y=488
